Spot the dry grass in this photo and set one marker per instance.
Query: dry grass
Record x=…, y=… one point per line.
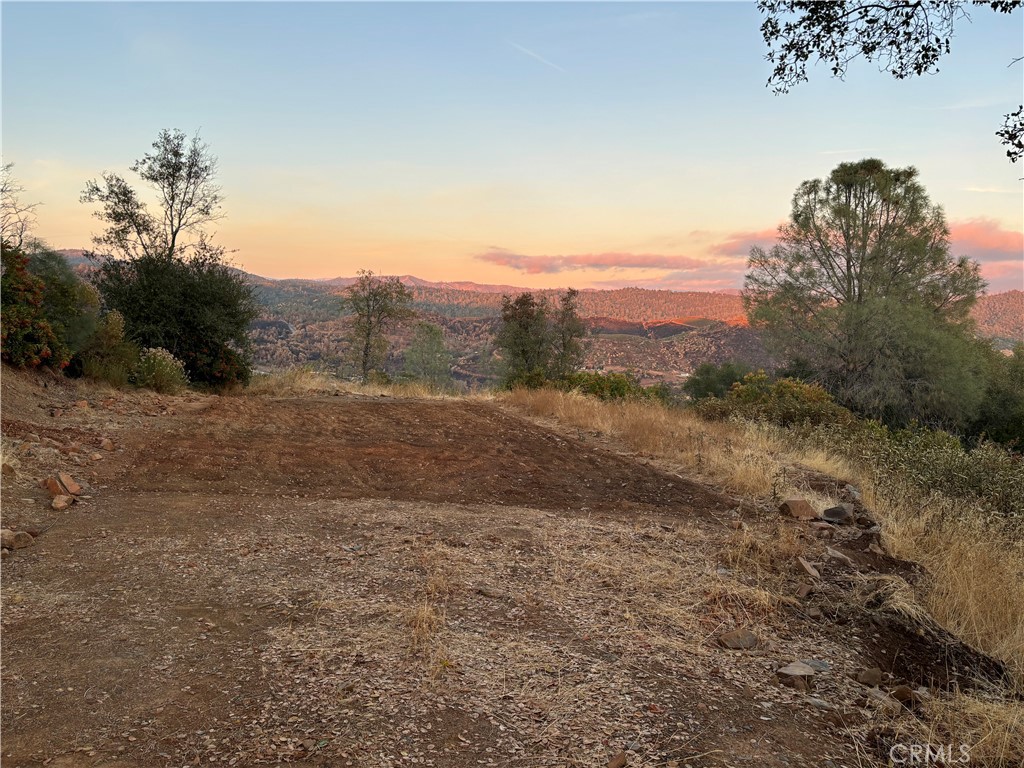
x=976, y=589
x=303, y=380
x=977, y=584
x=744, y=458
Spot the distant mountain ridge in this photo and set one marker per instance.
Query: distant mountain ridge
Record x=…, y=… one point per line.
x=646, y=311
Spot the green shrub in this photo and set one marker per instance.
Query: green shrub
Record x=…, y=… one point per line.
x=785, y=402
x=27, y=339
x=160, y=371
x=711, y=380
x=929, y=460
x=107, y=356
x=614, y=386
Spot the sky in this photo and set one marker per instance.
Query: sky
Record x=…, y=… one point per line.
x=536, y=144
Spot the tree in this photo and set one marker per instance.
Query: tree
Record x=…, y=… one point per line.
x=426, y=357
x=161, y=271
x=906, y=39
x=537, y=347
x=198, y=309
x=70, y=304
x=567, y=338
x=524, y=338
x=378, y=304
x=27, y=339
x=16, y=218
x=862, y=292
x=182, y=173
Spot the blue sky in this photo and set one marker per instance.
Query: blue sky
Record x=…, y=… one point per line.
x=543, y=144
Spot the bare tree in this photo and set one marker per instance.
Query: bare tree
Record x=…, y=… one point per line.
x=182, y=173
x=16, y=218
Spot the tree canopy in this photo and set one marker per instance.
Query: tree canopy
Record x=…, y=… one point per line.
x=378, y=304
x=862, y=292
x=538, y=345
x=905, y=38
x=160, y=269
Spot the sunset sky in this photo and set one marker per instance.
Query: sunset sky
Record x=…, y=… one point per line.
x=536, y=144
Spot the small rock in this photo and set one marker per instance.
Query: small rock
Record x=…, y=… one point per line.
x=8, y=469
x=839, y=556
x=803, y=590
x=871, y=677
x=7, y=538
x=619, y=761
x=818, y=665
x=53, y=487
x=843, y=514
x=865, y=521
x=4, y=553
x=69, y=483
x=809, y=569
x=31, y=437
x=95, y=456
x=851, y=492
x=737, y=525
x=906, y=696
x=107, y=444
x=797, y=675
x=21, y=540
x=798, y=508
x=62, y=502
x=814, y=612
x=81, y=403
x=488, y=591
x=739, y=639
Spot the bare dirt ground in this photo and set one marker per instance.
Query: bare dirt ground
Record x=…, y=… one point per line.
x=355, y=581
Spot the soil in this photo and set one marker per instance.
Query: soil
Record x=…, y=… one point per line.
x=336, y=581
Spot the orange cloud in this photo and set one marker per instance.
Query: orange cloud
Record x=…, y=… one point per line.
x=999, y=251
x=986, y=240
x=535, y=265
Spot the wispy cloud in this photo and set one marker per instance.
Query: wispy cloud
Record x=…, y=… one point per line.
x=740, y=243
x=535, y=265
x=535, y=55
x=992, y=190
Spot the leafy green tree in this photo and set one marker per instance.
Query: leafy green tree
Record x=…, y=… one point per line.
x=70, y=304
x=426, y=357
x=861, y=290
x=27, y=340
x=710, y=380
x=537, y=344
x=378, y=304
x=905, y=38
x=1001, y=413
x=524, y=339
x=568, y=336
x=162, y=272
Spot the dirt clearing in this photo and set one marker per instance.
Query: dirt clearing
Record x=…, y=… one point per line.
x=375, y=582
